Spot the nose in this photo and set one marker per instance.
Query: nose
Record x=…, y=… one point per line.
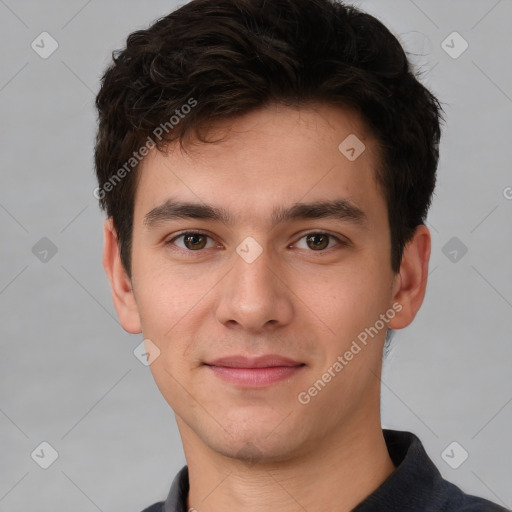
x=254, y=295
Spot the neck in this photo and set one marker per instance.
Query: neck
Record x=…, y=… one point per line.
x=336, y=474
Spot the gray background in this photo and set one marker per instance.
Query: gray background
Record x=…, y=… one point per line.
x=68, y=373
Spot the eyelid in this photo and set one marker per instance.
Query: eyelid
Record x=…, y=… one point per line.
x=187, y=232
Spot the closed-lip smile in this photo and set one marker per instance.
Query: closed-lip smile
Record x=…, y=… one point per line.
x=254, y=372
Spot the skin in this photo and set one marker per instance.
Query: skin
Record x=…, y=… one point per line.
x=261, y=449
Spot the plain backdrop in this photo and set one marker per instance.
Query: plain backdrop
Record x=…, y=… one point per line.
x=69, y=376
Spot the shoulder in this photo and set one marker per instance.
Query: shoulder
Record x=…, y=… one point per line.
x=458, y=501
x=417, y=484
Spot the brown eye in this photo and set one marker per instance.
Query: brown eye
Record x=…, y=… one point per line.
x=191, y=241
x=317, y=241
x=194, y=241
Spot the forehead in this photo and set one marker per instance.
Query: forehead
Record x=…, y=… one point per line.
x=267, y=159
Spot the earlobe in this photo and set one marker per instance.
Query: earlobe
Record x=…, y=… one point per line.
x=410, y=285
x=120, y=283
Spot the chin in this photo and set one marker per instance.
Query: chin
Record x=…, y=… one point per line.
x=253, y=445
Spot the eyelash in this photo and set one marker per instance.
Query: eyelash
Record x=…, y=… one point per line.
x=170, y=242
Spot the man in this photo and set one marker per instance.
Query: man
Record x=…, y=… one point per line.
x=266, y=169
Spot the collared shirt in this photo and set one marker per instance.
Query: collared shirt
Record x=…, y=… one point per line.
x=416, y=485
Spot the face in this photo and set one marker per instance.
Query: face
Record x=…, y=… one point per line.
x=272, y=274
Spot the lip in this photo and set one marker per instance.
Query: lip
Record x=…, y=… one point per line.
x=254, y=372
x=266, y=361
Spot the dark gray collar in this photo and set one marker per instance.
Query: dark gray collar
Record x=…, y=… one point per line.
x=416, y=485
x=177, y=498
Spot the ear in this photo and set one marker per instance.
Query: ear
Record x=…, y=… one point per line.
x=120, y=282
x=411, y=280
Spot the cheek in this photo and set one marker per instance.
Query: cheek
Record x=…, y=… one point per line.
x=164, y=307
x=164, y=292
x=173, y=305
x=343, y=300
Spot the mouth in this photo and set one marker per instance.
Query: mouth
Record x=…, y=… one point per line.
x=255, y=372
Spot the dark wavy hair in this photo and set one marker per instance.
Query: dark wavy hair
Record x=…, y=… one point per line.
x=233, y=56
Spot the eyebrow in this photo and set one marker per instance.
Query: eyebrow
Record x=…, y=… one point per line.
x=338, y=209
